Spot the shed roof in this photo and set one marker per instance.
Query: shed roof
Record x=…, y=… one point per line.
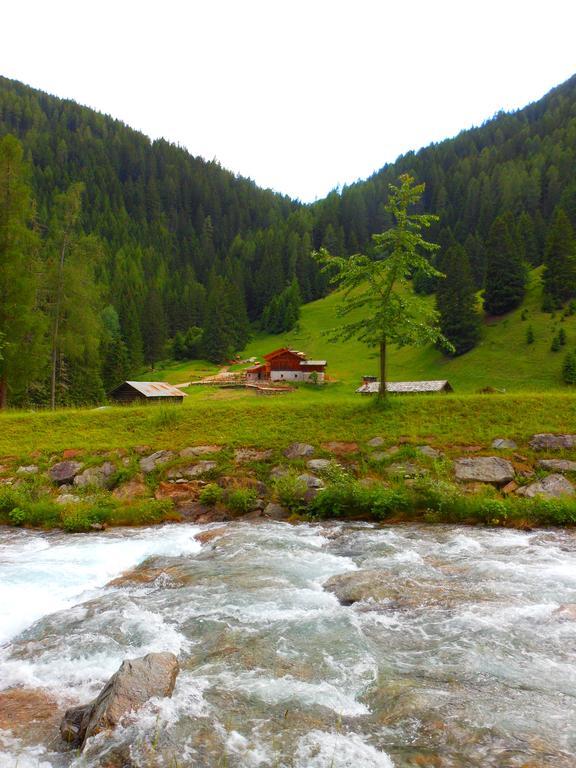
x=372, y=387
x=154, y=389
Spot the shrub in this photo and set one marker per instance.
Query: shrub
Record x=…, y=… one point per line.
x=386, y=501
x=17, y=516
x=290, y=491
x=242, y=500
x=530, y=335
x=210, y=494
x=76, y=521
x=493, y=511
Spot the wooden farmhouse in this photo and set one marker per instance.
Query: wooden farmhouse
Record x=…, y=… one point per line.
x=147, y=392
x=371, y=386
x=287, y=365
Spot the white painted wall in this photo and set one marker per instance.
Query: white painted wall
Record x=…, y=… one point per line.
x=295, y=376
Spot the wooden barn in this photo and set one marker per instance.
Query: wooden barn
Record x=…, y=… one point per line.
x=371, y=386
x=287, y=365
x=146, y=392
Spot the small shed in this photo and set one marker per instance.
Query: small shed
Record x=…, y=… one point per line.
x=147, y=392
x=370, y=386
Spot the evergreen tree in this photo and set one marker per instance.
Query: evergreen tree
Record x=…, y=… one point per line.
x=456, y=302
x=505, y=271
x=569, y=368
x=530, y=338
x=20, y=323
x=154, y=328
x=73, y=298
x=559, y=279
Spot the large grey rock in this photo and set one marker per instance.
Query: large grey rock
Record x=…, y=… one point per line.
x=557, y=465
x=96, y=477
x=545, y=441
x=276, y=511
x=503, y=444
x=32, y=469
x=194, y=470
x=149, y=463
x=310, y=481
x=376, y=442
x=405, y=469
x=354, y=586
x=137, y=681
x=279, y=471
x=552, y=486
x=299, y=451
x=318, y=465
x=484, y=469
x=64, y=472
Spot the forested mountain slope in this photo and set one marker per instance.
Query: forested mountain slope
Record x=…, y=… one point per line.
x=186, y=247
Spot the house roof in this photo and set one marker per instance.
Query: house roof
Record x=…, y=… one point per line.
x=153, y=389
x=372, y=387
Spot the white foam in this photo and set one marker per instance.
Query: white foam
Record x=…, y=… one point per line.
x=53, y=572
x=319, y=749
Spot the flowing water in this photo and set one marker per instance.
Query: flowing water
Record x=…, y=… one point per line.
x=474, y=665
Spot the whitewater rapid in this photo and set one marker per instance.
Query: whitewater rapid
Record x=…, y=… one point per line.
x=473, y=666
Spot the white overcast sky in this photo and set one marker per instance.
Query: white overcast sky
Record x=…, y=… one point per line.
x=300, y=95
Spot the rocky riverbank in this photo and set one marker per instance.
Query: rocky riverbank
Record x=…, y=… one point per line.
x=501, y=483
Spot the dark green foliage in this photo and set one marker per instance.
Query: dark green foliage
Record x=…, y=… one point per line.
x=456, y=301
x=210, y=495
x=556, y=344
x=283, y=312
x=569, y=368
x=505, y=271
x=562, y=337
x=187, y=346
x=530, y=335
x=241, y=500
x=559, y=279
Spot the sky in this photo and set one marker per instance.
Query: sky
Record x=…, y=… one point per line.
x=300, y=95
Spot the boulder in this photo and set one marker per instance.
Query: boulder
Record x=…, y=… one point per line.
x=557, y=465
x=299, y=451
x=566, y=611
x=376, y=442
x=204, y=537
x=503, y=444
x=149, y=463
x=199, y=450
x=29, y=713
x=96, y=477
x=276, y=511
x=32, y=469
x=194, y=470
x=178, y=492
x=242, y=455
x=431, y=453
x=546, y=441
x=137, y=681
x=310, y=481
x=354, y=586
x=317, y=465
x=133, y=489
x=484, y=469
x=64, y=472
x=552, y=486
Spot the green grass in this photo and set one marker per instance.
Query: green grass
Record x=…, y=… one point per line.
x=315, y=415
x=502, y=360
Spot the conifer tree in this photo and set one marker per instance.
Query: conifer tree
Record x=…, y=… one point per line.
x=505, y=270
x=559, y=279
x=456, y=301
x=154, y=328
x=20, y=323
x=569, y=368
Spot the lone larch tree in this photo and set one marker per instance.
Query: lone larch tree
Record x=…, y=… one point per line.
x=376, y=289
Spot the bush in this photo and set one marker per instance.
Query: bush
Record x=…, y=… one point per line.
x=353, y=499
x=289, y=491
x=17, y=516
x=76, y=521
x=242, y=500
x=493, y=511
x=210, y=494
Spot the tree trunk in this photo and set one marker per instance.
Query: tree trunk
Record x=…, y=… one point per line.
x=3, y=393
x=382, y=389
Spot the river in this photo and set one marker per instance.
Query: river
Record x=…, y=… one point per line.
x=474, y=666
